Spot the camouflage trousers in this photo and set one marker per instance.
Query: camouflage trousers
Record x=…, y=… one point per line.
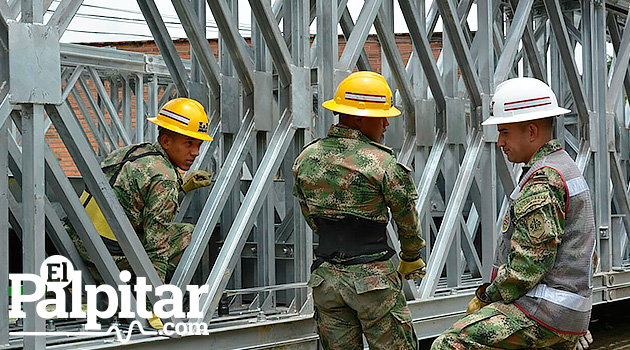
x=501, y=326
x=363, y=299
x=177, y=243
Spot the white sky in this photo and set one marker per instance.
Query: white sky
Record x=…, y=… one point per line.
x=121, y=20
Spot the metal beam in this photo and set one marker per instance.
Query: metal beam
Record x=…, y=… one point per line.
x=100, y=142
x=510, y=48
x=4, y=232
x=97, y=111
x=33, y=221
x=347, y=27
x=556, y=19
x=200, y=45
x=244, y=220
x=69, y=130
x=210, y=214
x=54, y=227
x=531, y=49
x=403, y=82
x=620, y=191
x=354, y=44
x=273, y=38
x=615, y=37
x=76, y=74
x=460, y=49
x=451, y=217
x=430, y=173
x=422, y=48
x=63, y=15
x=113, y=113
x=234, y=42
x=5, y=108
x=620, y=73
x=165, y=45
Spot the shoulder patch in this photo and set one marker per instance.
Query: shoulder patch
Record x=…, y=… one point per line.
x=310, y=143
x=533, y=201
x=383, y=147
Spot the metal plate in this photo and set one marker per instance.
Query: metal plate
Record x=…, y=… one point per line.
x=35, y=73
x=301, y=98
x=263, y=100
x=230, y=115
x=425, y=122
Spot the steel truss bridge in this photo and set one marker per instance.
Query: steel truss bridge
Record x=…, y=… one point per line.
x=251, y=246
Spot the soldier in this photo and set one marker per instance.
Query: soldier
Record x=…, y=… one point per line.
x=540, y=295
x=147, y=182
x=344, y=183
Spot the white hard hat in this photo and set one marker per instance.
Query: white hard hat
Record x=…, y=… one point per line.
x=522, y=99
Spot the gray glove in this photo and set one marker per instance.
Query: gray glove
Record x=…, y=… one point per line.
x=584, y=341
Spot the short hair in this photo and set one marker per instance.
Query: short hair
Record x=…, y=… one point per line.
x=548, y=122
x=165, y=132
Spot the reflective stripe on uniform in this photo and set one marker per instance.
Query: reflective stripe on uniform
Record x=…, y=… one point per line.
x=560, y=297
x=577, y=186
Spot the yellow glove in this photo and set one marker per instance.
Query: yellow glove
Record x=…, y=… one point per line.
x=480, y=300
x=411, y=269
x=155, y=322
x=195, y=179
x=474, y=305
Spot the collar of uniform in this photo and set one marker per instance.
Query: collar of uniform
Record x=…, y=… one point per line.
x=341, y=131
x=546, y=149
x=158, y=147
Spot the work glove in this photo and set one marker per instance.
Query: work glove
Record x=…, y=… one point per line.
x=195, y=179
x=411, y=269
x=480, y=299
x=155, y=322
x=584, y=342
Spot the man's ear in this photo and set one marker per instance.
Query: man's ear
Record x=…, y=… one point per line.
x=165, y=141
x=533, y=130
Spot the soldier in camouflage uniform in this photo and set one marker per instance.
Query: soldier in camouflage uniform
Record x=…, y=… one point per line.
x=540, y=295
x=345, y=184
x=147, y=182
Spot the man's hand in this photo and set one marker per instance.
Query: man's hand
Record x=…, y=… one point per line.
x=195, y=179
x=480, y=299
x=411, y=269
x=474, y=305
x=584, y=342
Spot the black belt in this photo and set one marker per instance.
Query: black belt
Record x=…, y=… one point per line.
x=351, y=240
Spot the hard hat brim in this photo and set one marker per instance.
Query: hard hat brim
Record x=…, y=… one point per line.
x=375, y=113
x=495, y=120
x=194, y=134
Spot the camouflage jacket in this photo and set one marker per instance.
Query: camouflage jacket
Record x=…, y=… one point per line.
x=148, y=190
x=348, y=174
x=538, y=231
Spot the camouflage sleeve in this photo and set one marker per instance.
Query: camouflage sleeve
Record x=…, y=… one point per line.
x=539, y=226
x=302, y=200
x=159, y=211
x=400, y=196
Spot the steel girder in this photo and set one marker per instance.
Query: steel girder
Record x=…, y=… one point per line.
x=259, y=135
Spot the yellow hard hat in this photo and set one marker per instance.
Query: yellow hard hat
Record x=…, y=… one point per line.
x=364, y=94
x=184, y=116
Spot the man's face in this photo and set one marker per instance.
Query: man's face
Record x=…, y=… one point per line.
x=515, y=141
x=373, y=128
x=181, y=149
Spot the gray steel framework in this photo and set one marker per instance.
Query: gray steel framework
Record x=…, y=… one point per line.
x=250, y=245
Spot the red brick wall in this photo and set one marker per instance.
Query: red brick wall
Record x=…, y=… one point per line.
x=372, y=48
